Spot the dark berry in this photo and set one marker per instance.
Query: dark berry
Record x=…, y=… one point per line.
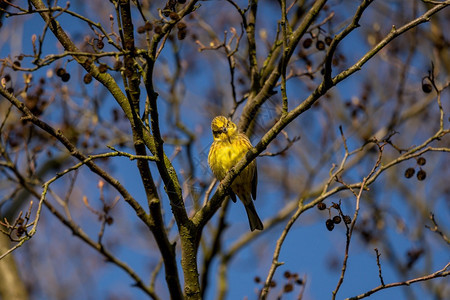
x=87, y=78
x=65, y=77
x=321, y=206
x=7, y=78
x=427, y=88
x=257, y=279
x=409, y=172
x=148, y=26
x=299, y=281
x=141, y=30
x=421, y=175
x=102, y=68
x=109, y=220
x=182, y=34
x=157, y=29
x=181, y=1
x=100, y=44
x=273, y=283
x=20, y=231
x=174, y=16
x=336, y=219
x=287, y=274
x=347, y=219
x=307, y=43
x=10, y=90
x=60, y=72
x=117, y=65
x=328, y=40
x=16, y=64
x=330, y=225
x=421, y=161
x=320, y=45
x=181, y=25
x=288, y=287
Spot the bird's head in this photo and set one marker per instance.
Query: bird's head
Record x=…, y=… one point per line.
x=222, y=128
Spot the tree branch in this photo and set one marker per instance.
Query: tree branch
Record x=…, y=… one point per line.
x=441, y=273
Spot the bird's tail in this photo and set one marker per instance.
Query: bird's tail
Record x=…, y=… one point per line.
x=253, y=218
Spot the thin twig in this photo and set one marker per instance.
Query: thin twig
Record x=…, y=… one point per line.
x=441, y=273
x=350, y=229
x=379, y=266
x=436, y=229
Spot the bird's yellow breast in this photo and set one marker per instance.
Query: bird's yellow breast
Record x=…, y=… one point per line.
x=226, y=154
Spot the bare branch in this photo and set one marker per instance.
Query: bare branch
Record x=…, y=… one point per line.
x=441, y=273
x=436, y=229
x=379, y=266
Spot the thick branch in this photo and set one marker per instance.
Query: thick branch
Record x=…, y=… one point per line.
x=272, y=73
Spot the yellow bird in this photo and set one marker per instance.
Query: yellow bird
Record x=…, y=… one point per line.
x=228, y=148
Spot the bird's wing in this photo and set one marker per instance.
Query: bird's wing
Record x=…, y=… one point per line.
x=254, y=182
x=232, y=196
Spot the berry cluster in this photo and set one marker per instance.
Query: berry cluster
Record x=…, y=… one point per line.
x=171, y=6
x=33, y=99
x=331, y=221
x=102, y=68
x=320, y=44
x=182, y=30
x=147, y=27
x=292, y=279
x=168, y=11
x=16, y=64
x=421, y=174
x=157, y=28
x=61, y=73
x=7, y=80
